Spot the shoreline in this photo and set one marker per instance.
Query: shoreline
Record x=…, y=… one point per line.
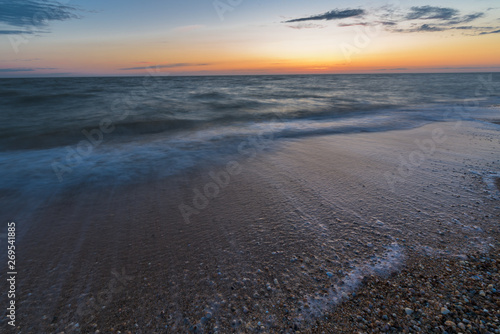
x=432, y=295
x=290, y=227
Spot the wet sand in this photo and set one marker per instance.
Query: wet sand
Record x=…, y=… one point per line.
x=293, y=231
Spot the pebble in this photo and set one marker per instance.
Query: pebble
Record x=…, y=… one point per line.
x=408, y=311
x=445, y=311
x=450, y=323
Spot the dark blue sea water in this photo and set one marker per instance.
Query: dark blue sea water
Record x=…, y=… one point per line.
x=57, y=133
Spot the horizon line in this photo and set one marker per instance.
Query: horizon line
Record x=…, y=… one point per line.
x=48, y=76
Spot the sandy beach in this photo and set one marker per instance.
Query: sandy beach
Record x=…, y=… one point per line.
x=233, y=166
x=282, y=236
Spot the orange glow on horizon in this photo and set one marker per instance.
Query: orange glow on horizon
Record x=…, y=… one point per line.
x=385, y=54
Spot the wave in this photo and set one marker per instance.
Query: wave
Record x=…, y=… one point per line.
x=47, y=98
x=62, y=128
x=320, y=304
x=209, y=95
x=9, y=93
x=184, y=121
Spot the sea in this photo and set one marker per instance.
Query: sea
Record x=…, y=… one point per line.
x=60, y=133
x=70, y=147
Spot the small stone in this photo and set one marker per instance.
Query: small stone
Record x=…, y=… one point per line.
x=408, y=311
x=450, y=323
x=329, y=274
x=445, y=311
x=461, y=326
x=481, y=293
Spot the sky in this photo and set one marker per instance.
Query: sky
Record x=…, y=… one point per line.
x=219, y=37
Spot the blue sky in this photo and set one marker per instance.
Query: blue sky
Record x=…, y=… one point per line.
x=92, y=37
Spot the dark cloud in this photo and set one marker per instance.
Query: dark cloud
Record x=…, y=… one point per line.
x=10, y=70
x=354, y=24
x=387, y=23
x=449, y=16
x=432, y=28
x=490, y=32
x=466, y=18
x=331, y=15
x=14, y=32
x=426, y=27
x=431, y=13
x=436, y=19
x=406, y=20
x=25, y=69
x=465, y=27
x=161, y=66
x=33, y=14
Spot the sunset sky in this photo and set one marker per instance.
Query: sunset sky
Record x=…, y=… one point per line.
x=205, y=37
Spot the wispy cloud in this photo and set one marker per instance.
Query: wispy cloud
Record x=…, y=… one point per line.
x=490, y=32
x=306, y=26
x=426, y=27
x=9, y=70
x=431, y=13
x=24, y=69
x=30, y=15
x=438, y=18
x=450, y=15
x=162, y=66
x=335, y=14
x=416, y=19
x=467, y=18
x=15, y=32
x=354, y=24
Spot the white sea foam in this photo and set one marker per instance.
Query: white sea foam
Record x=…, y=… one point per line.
x=489, y=179
x=382, y=266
